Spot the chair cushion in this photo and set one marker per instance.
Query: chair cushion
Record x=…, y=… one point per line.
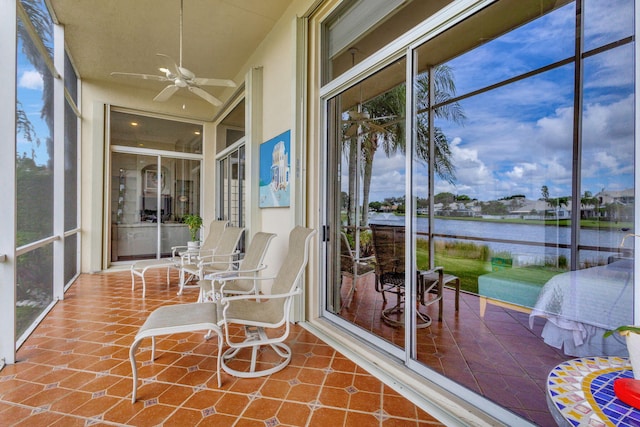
x=392, y=278
x=177, y=318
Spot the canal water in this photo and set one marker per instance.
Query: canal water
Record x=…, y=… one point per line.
x=606, y=239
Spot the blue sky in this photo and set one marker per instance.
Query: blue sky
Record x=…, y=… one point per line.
x=29, y=92
x=519, y=137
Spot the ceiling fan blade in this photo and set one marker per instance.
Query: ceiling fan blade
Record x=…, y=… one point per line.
x=352, y=130
x=201, y=81
x=170, y=64
x=205, y=95
x=384, y=117
x=141, y=76
x=376, y=128
x=392, y=122
x=166, y=93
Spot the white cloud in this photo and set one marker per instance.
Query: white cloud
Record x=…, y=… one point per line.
x=30, y=80
x=521, y=170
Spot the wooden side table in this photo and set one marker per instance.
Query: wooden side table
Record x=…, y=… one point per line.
x=580, y=393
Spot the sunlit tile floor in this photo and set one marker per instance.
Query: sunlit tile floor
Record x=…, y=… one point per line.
x=74, y=371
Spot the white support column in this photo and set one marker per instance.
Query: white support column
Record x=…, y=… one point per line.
x=297, y=178
x=58, y=164
x=253, y=123
x=8, y=178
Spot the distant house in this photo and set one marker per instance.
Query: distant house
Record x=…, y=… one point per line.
x=622, y=197
x=616, y=205
x=457, y=209
x=540, y=209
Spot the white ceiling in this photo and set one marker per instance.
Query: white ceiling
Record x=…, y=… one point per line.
x=124, y=35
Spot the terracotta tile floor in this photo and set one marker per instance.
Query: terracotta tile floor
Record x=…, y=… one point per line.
x=497, y=356
x=74, y=371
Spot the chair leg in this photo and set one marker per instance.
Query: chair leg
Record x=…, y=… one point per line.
x=441, y=302
x=483, y=305
x=281, y=349
x=134, y=369
x=181, y=284
x=144, y=285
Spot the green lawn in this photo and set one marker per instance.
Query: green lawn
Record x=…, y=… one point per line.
x=468, y=269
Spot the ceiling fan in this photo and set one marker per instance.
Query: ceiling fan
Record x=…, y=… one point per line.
x=180, y=77
x=362, y=120
x=358, y=121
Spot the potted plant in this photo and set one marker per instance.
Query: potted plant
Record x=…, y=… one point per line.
x=632, y=338
x=194, y=222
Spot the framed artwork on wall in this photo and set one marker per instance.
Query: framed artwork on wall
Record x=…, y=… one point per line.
x=275, y=165
x=153, y=181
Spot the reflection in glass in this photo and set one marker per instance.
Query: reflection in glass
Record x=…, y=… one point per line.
x=70, y=79
x=231, y=169
x=70, y=258
x=607, y=203
x=520, y=187
x=495, y=57
x=34, y=286
x=358, y=29
x=41, y=21
x=132, y=130
x=536, y=201
x=231, y=128
x=34, y=145
x=370, y=150
x=607, y=22
x=70, y=168
x=147, y=200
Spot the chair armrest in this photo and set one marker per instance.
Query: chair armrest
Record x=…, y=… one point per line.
x=176, y=250
x=191, y=256
x=235, y=274
x=226, y=300
x=432, y=270
x=202, y=253
x=252, y=270
x=217, y=259
x=231, y=277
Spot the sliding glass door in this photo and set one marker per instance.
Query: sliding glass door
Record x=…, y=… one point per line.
x=149, y=197
x=367, y=152
x=231, y=162
x=513, y=169
x=151, y=185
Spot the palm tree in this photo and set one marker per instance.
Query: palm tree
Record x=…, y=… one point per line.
x=389, y=109
x=42, y=23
